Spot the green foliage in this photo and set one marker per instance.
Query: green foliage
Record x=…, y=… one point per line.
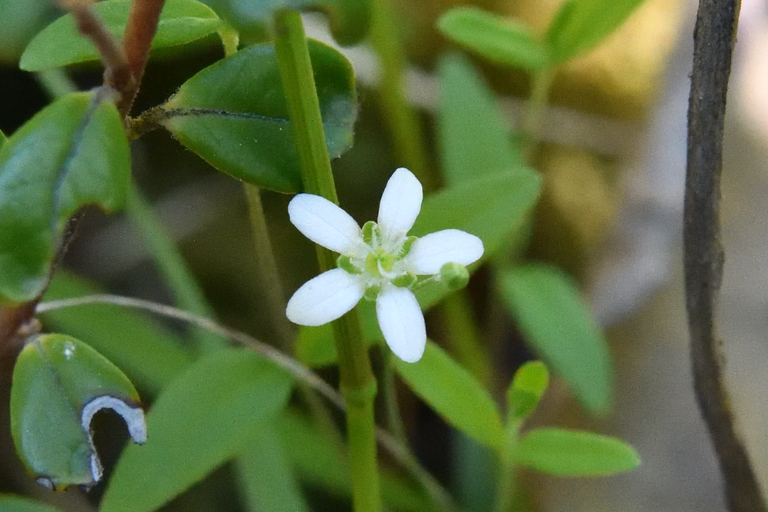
x=3, y=139
x=19, y=22
x=574, y=453
x=555, y=321
x=467, y=105
x=205, y=417
x=55, y=378
x=527, y=387
x=266, y=474
x=72, y=153
x=10, y=503
x=60, y=44
x=146, y=351
x=454, y=394
x=234, y=114
x=502, y=40
x=580, y=24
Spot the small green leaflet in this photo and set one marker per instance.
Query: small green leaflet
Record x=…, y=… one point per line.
x=504, y=41
x=10, y=503
x=202, y=419
x=574, y=453
x=60, y=43
x=451, y=391
x=234, y=114
x=559, y=326
x=527, y=387
x=71, y=154
x=59, y=384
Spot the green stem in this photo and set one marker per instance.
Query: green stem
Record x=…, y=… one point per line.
x=172, y=266
x=506, y=484
x=358, y=385
x=464, y=337
x=541, y=82
x=402, y=120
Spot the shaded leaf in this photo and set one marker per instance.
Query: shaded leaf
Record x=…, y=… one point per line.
x=558, y=324
x=234, y=114
x=451, y=391
x=202, y=419
x=474, y=139
x=574, y=453
x=501, y=40
x=10, y=503
x=580, y=25
x=72, y=153
x=19, y=23
x=527, y=387
x=59, y=383
x=3, y=139
x=266, y=475
x=145, y=350
x=60, y=43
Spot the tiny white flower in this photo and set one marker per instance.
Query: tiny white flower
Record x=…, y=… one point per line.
x=378, y=261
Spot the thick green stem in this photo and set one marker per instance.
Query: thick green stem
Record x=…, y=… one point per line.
x=172, y=266
x=506, y=484
x=358, y=384
x=402, y=120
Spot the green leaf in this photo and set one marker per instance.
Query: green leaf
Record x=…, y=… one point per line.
x=59, y=383
x=468, y=107
x=558, y=324
x=145, y=350
x=3, y=139
x=319, y=464
x=574, y=453
x=501, y=40
x=349, y=19
x=234, y=114
x=72, y=153
x=527, y=387
x=202, y=419
x=266, y=474
x=493, y=208
x=451, y=391
x=10, y=503
x=19, y=23
x=60, y=43
x=580, y=25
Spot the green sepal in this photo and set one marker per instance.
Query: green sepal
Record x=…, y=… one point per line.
x=60, y=43
x=454, y=275
x=234, y=114
x=345, y=263
x=59, y=383
x=71, y=154
x=527, y=387
x=574, y=453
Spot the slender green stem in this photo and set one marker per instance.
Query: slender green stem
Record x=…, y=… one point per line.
x=56, y=82
x=389, y=396
x=464, y=337
x=506, y=484
x=401, y=118
x=172, y=266
x=541, y=82
x=358, y=385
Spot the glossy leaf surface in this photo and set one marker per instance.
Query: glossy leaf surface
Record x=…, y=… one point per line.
x=72, y=153
x=558, y=324
x=527, y=387
x=574, y=453
x=145, y=350
x=580, y=25
x=204, y=418
x=474, y=139
x=10, y=503
x=60, y=44
x=59, y=383
x=234, y=114
x=451, y=391
x=504, y=41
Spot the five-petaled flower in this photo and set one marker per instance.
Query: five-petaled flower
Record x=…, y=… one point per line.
x=378, y=261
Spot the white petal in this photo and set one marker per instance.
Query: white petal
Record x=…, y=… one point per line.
x=326, y=224
x=325, y=298
x=432, y=251
x=402, y=323
x=400, y=205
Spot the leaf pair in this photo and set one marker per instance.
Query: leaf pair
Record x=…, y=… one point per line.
x=578, y=26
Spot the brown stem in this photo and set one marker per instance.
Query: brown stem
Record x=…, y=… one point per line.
x=714, y=38
x=137, y=40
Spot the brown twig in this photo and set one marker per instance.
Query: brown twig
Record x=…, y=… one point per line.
x=714, y=38
x=137, y=41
